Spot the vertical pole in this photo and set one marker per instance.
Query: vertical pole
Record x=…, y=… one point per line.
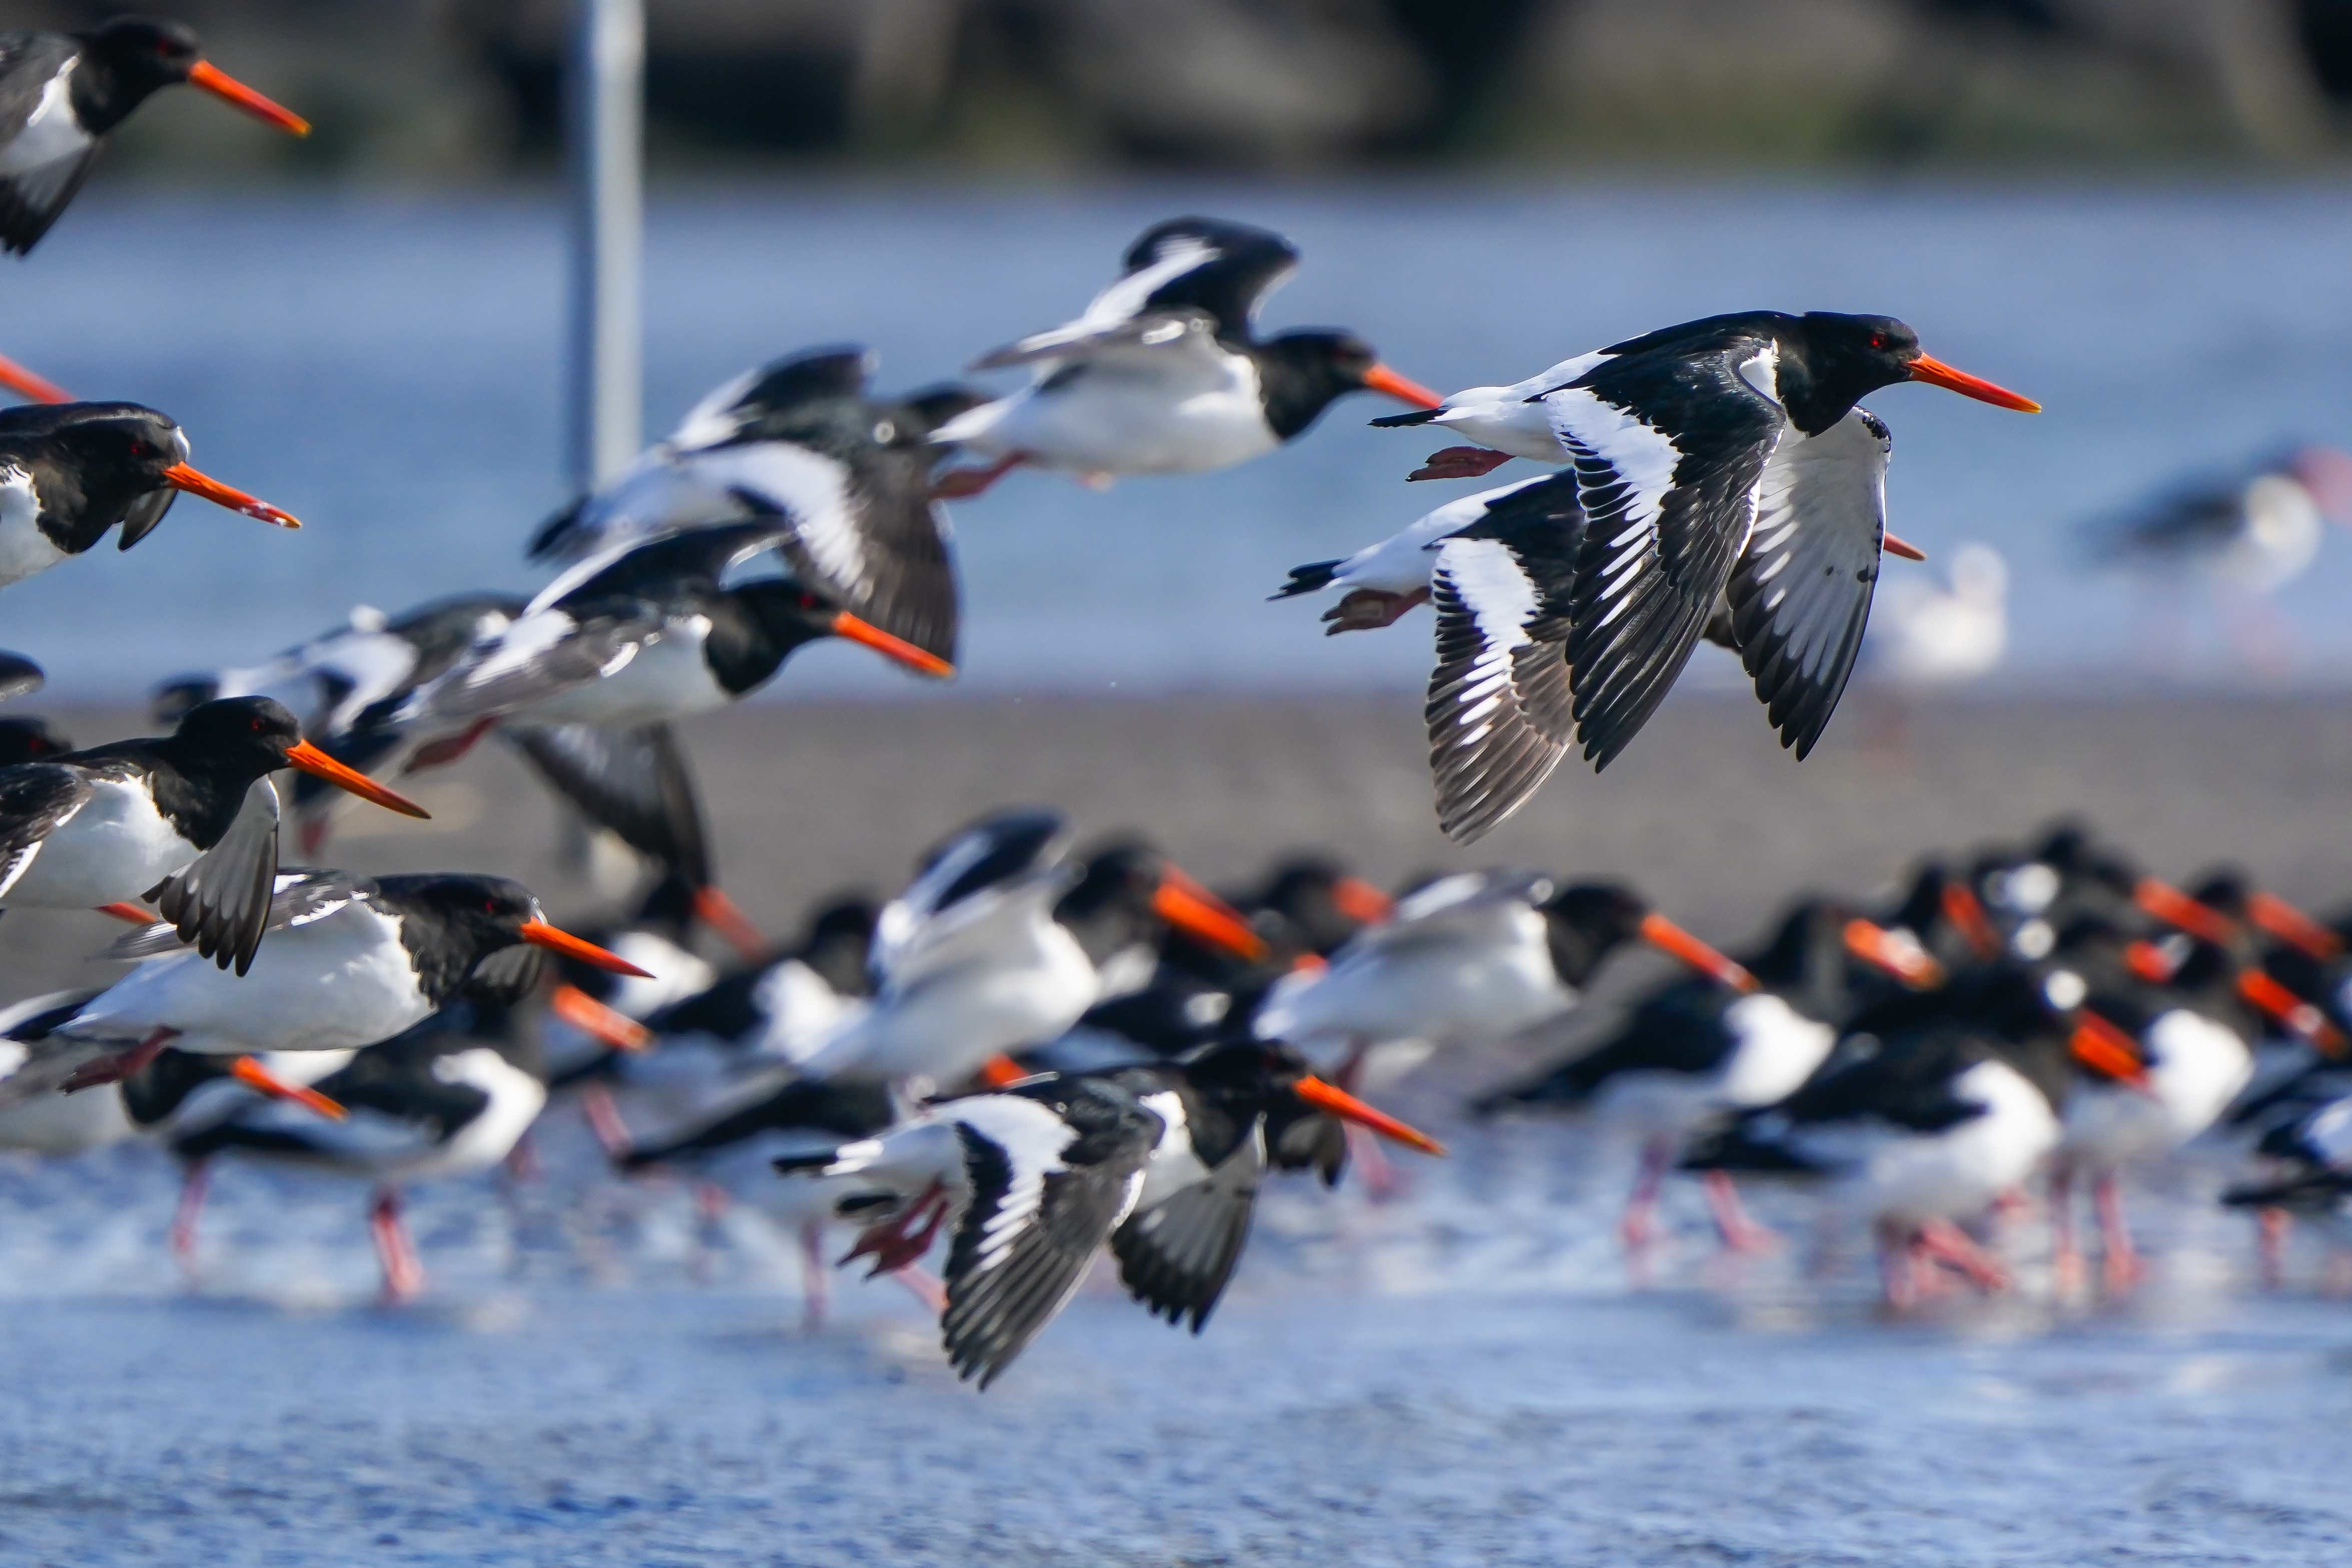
x=605, y=132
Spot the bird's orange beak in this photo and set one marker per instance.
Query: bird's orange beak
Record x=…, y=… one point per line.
x=2291, y=925
x=865, y=633
x=1383, y=380
x=726, y=916
x=2291, y=1011
x=1903, y=548
x=1001, y=1069
x=1967, y=913
x=1195, y=910
x=309, y=759
x=591, y=1017
x=26, y=384
x=253, y=1075
x=182, y=478
x=2107, y=1049
x=2148, y=962
x=222, y=85
x=1906, y=960
x=1668, y=938
x=1937, y=373
x=1334, y=1101
x=1361, y=902
x=130, y=913
x=540, y=934
x=2176, y=908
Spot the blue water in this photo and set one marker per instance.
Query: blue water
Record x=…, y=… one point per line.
x=387, y=367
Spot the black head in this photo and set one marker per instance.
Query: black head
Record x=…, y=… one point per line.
x=1111, y=907
x=135, y=56
x=839, y=936
x=1249, y=1076
x=30, y=740
x=1589, y=920
x=1302, y=372
x=249, y=735
x=104, y=461
x=1838, y=360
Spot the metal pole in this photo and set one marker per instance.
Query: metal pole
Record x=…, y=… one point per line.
x=605, y=131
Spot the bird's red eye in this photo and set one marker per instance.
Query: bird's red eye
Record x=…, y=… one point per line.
x=257, y=726
x=138, y=449
x=1878, y=339
x=489, y=907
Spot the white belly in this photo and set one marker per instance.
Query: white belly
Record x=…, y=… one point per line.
x=2200, y=1067
x=117, y=847
x=516, y=1100
x=1111, y=422
x=944, y=1027
x=1959, y=1172
x=25, y=549
x=1450, y=995
x=666, y=680
x=1520, y=428
x=49, y=134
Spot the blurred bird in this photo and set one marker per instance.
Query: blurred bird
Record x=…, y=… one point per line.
x=1925, y=636
x=61, y=93
x=801, y=444
x=1164, y=373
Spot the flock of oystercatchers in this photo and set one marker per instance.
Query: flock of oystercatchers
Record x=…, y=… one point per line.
x=1034, y=1054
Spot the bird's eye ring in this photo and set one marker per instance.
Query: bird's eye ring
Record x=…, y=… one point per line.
x=1878, y=339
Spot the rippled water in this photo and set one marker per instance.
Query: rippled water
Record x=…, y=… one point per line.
x=386, y=366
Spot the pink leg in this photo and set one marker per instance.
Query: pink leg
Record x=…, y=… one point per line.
x=522, y=1160
x=1739, y=1231
x=2270, y=1226
x=2065, y=1254
x=923, y=1287
x=115, y=1069
x=1949, y=1245
x=1637, y=1227
x=960, y=484
x=1383, y=1180
x=1369, y=609
x=1898, y=1280
x=317, y=824
x=403, y=1275
x=448, y=748
x=817, y=1282
x=193, y=1182
x=2120, y=1265
x=1460, y=462
x=603, y=1119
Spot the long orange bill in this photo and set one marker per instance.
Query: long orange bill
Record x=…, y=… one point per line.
x=1668, y=938
x=2291, y=1011
x=1333, y=1101
x=2174, y=907
x=26, y=384
x=2293, y=927
x=1001, y=1069
x=1967, y=914
x=181, y=476
x=1360, y=901
x=2148, y=962
x=851, y=629
x=540, y=934
x=591, y=1017
x=1906, y=960
x=1903, y=548
x=1380, y=379
x=253, y=1075
x=2106, y=1049
x=220, y=84
x=1195, y=910
x=319, y=765
x=726, y=916
x=1937, y=373
x=130, y=913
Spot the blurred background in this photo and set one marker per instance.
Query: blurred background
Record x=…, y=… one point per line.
x=2127, y=208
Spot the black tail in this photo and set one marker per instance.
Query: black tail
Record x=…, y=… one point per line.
x=846, y=1111
x=555, y=534
x=2320, y=1189
x=1732, y=1149
x=1418, y=416
x=787, y=1164
x=1307, y=579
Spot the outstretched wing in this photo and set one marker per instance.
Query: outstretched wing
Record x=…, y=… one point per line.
x=44, y=154
x=1670, y=450
x=633, y=782
x=1800, y=594
x=1178, y=1255
x=35, y=799
x=296, y=898
x=221, y=904
x=538, y=656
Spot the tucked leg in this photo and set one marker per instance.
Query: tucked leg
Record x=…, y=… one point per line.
x=1460, y=462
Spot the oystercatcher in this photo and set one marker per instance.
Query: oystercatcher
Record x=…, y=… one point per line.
x=2310, y=1176
x=189, y=818
x=1723, y=460
x=452, y=1097
x=68, y=472
x=1934, y=1106
x=350, y=962
x=1938, y=636
x=2256, y=529
x=1697, y=1053
x=800, y=441
x=1319, y=900
x=60, y=93
x=640, y=636
x=30, y=740
x=1164, y=374
x=1162, y=1162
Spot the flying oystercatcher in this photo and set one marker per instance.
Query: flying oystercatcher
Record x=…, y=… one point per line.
x=188, y=819
x=1164, y=373
x=61, y=93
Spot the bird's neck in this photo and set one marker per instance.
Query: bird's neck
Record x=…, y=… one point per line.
x=102, y=97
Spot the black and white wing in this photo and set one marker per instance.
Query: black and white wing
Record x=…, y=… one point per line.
x=296, y=898
x=1182, y=276
x=20, y=676
x=633, y=782
x=1178, y=1255
x=1670, y=449
x=35, y=799
x=966, y=870
x=220, y=905
x=1501, y=709
x=1049, y=1180
x=538, y=657
x=1800, y=594
x=1155, y=337
x=886, y=554
x=44, y=155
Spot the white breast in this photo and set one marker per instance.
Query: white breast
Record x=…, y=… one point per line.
x=1182, y=417
x=50, y=135
x=25, y=549
x=516, y=1100
x=666, y=680
x=116, y=847
x=1959, y=1172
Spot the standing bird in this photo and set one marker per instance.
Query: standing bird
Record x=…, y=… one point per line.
x=637, y=637
x=1164, y=373
x=60, y=93
x=68, y=472
x=352, y=962
x=1929, y=636
x=1727, y=475
x=189, y=818
x=844, y=474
